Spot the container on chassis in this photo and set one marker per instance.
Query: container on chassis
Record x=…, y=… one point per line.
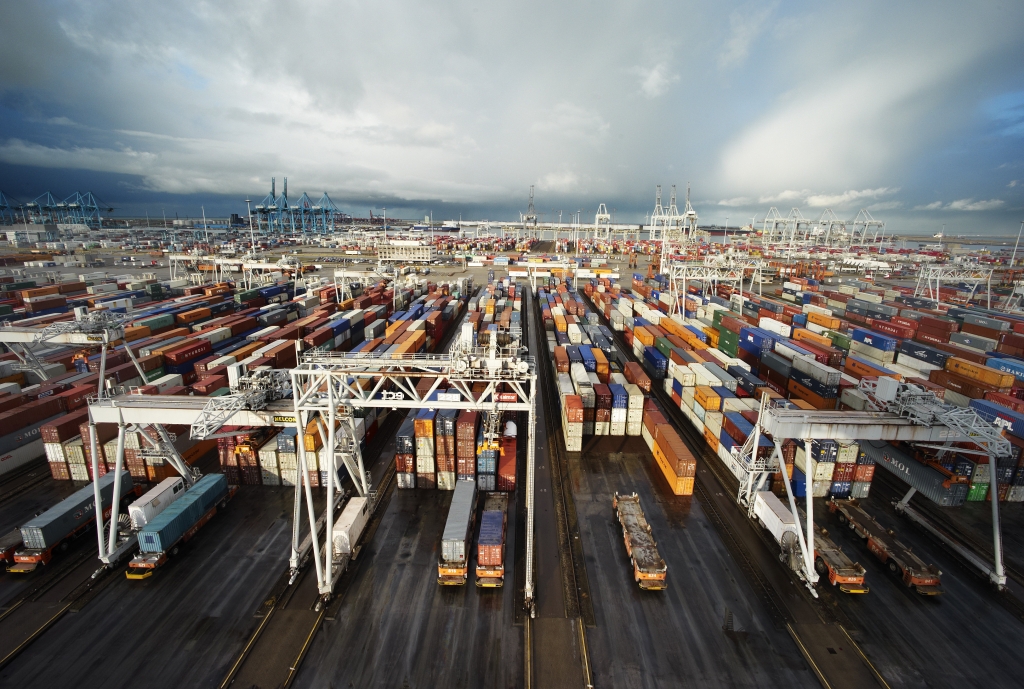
x=649, y=569
x=349, y=527
x=490, y=544
x=168, y=531
x=155, y=500
x=924, y=578
x=778, y=520
x=453, y=565
x=45, y=533
x=832, y=563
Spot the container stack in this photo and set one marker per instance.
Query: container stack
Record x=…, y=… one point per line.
x=602, y=409
x=426, y=466
x=620, y=409
x=405, y=454
x=634, y=410
x=465, y=445
x=487, y=450
x=572, y=422
x=444, y=447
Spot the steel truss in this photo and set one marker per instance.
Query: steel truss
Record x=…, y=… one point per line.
x=931, y=277
x=712, y=272
x=901, y=412
x=331, y=386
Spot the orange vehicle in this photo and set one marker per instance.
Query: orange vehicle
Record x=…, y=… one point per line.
x=913, y=571
x=649, y=569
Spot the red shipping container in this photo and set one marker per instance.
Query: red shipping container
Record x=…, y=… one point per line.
x=210, y=384
x=193, y=350
x=635, y=374
x=507, y=465
x=863, y=472
x=30, y=413
x=64, y=428
x=939, y=324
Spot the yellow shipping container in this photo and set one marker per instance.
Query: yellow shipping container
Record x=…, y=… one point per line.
x=812, y=337
x=646, y=338
x=707, y=398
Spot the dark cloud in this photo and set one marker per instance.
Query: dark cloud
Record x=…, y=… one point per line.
x=457, y=105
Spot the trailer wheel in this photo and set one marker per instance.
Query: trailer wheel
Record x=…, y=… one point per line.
x=842, y=518
x=64, y=546
x=820, y=567
x=174, y=551
x=893, y=567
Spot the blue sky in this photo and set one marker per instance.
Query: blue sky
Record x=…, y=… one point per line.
x=912, y=110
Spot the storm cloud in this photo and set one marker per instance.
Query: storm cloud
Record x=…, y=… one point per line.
x=914, y=110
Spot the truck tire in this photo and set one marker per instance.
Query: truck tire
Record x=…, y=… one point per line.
x=893, y=567
x=842, y=518
x=820, y=567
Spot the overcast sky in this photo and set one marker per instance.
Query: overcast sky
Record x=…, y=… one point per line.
x=913, y=110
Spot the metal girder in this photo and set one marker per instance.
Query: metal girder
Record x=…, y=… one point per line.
x=851, y=426
x=931, y=277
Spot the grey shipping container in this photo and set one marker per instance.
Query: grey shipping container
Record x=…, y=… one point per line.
x=24, y=436
x=926, y=480
x=455, y=540
x=170, y=525
x=728, y=381
x=53, y=525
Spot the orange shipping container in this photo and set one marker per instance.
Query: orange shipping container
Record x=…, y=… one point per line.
x=859, y=369
x=812, y=337
x=982, y=374
x=829, y=322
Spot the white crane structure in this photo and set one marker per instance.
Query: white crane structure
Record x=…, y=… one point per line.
x=712, y=272
x=323, y=392
x=901, y=412
x=931, y=277
x=795, y=232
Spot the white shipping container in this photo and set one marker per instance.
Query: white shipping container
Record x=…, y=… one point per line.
x=774, y=326
x=171, y=380
x=155, y=501
x=215, y=335
x=349, y=526
x=775, y=516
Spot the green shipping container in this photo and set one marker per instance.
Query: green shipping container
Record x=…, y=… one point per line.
x=730, y=349
x=716, y=319
x=663, y=345
x=164, y=320
x=154, y=374
x=978, y=492
x=6, y=309
x=839, y=340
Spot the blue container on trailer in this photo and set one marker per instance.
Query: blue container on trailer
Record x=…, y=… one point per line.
x=620, y=398
x=873, y=339
x=170, y=525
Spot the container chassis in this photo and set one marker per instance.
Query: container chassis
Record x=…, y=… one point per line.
x=898, y=558
x=143, y=565
x=649, y=569
x=832, y=563
x=29, y=559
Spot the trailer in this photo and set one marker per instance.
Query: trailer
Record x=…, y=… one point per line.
x=832, y=563
x=649, y=569
x=453, y=565
x=52, y=531
x=490, y=544
x=163, y=536
x=924, y=578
